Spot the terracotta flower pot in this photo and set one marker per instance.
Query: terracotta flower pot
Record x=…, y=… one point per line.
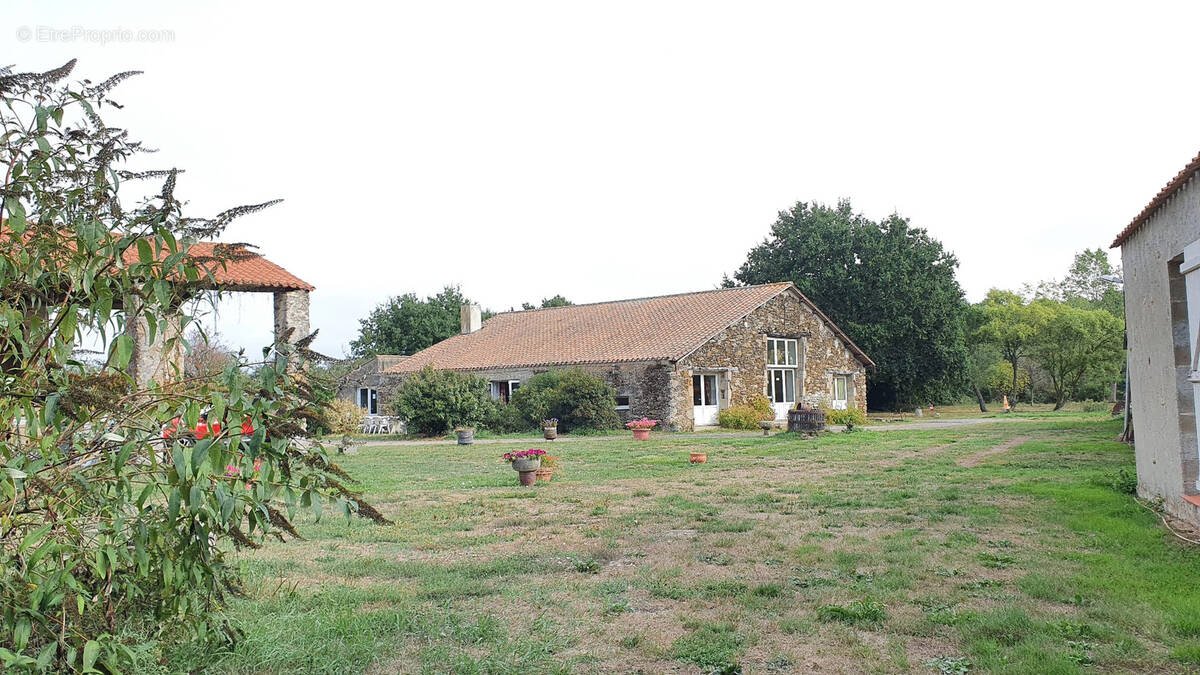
x=543, y=475
x=641, y=434
x=528, y=478
x=699, y=457
x=550, y=433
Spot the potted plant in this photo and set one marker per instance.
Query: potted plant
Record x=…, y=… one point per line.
x=698, y=457
x=641, y=428
x=466, y=435
x=525, y=463
x=549, y=464
x=550, y=428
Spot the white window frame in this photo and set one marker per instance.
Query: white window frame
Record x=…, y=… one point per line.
x=629, y=400
x=777, y=346
x=371, y=402
x=834, y=401
x=494, y=387
x=789, y=348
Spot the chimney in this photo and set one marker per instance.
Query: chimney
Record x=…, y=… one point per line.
x=472, y=318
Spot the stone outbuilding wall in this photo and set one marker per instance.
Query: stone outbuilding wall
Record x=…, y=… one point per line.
x=1161, y=396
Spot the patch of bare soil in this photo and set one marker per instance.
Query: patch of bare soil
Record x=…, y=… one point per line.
x=971, y=461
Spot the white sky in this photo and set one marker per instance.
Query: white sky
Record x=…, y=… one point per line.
x=624, y=149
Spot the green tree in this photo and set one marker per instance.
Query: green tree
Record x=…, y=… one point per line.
x=406, y=324
x=107, y=532
x=888, y=285
x=982, y=356
x=435, y=401
x=556, y=301
x=1011, y=325
x=1072, y=342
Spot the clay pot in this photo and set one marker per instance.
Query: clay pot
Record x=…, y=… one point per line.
x=528, y=478
x=543, y=475
x=699, y=457
x=550, y=433
x=641, y=434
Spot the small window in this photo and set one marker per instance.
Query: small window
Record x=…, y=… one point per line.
x=622, y=403
x=504, y=389
x=368, y=400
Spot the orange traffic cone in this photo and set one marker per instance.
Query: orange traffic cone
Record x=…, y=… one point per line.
x=1007, y=407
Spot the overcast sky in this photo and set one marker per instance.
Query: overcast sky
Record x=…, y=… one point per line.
x=623, y=149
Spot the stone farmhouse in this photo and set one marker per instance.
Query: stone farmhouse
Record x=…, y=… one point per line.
x=676, y=358
x=1160, y=253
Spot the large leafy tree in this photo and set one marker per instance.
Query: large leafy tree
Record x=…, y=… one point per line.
x=405, y=324
x=1072, y=343
x=1011, y=326
x=888, y=285
x=106, y=529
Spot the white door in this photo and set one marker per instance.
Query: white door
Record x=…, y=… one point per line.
x=704, y=400
x=781, y=389
x=840, y=399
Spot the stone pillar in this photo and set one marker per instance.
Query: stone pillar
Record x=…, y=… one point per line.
x=291, y=311
x=155, y=360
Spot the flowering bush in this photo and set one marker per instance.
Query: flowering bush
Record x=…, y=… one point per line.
x=644, y=423
x=532, y=453
x=552, y=422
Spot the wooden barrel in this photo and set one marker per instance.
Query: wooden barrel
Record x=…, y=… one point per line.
x=806, y=421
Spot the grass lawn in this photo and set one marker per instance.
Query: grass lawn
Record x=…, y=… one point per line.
x=988, y=548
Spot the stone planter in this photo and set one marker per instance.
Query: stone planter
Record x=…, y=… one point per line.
x=698, y=457
x=550, y=433
x=806, y=421
x=523, y=465
x=543, y=475
x=641, y=434
x=465, y=436
x=766, y=427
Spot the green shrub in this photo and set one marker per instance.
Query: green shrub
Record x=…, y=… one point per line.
x=578, y=400
x=504, y=418
x=435, y=401
x=746, y=415
x=848, y=417
x=1124, y=481
x=341, y=417
x=1094, y=406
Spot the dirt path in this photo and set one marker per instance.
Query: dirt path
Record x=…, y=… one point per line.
x=983, y=455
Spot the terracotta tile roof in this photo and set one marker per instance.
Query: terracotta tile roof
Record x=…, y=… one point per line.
x=664, y=328
x=243, y=269
x=1161, y=198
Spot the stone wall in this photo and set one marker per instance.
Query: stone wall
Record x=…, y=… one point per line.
x=742, y=349
x=154, y=361
x=291, y=311
x=370, y=375
x=1161, y=397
